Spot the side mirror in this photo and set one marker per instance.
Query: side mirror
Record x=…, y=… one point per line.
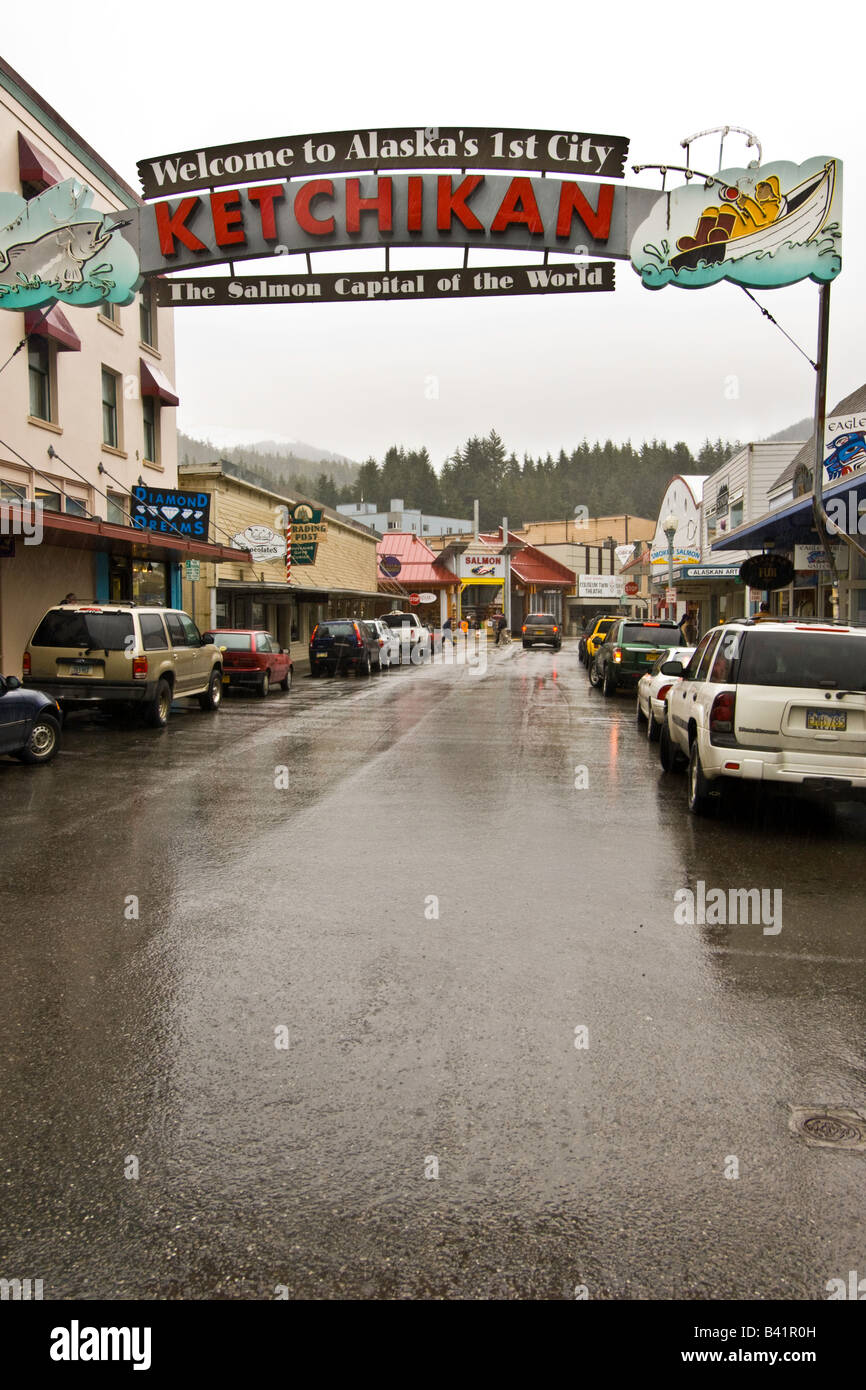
x=223, y=649
x=284, y=651
x=673, y=668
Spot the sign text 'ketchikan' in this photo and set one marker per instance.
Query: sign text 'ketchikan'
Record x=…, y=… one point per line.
x=478, y=210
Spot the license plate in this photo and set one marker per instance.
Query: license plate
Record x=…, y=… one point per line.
x=80, y=668
x=827, y=722
x=321, y=655
x=225, y=680
x=540, y=632
x=652, y=656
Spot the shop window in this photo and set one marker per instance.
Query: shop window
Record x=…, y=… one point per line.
x=150, y=420
x=149, y=582
x=147, y=317
x=116, y=508
x=119, y=578
x=258, y=614
x=110, y=409
x=40, y=366
x=12, y=492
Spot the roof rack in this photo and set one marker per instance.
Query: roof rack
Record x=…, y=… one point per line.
x=759, y=619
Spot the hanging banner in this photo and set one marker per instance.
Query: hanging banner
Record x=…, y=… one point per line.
x=592, y=276
x=170, y=511
x=405, y=147
x=761, y=228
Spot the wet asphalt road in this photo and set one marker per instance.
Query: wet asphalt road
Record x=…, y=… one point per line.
x=412, y=1037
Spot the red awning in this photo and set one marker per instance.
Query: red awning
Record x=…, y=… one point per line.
x=156, y=383
x=34, y=166
x=54, y=325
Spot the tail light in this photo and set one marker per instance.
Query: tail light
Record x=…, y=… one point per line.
x=358, y=638
x=555, y=628
x=616, y=654
x=722, y=713
x=662, y=691
x=25, y=664
x=139, y=668
x=313, y=633
x=523, y=629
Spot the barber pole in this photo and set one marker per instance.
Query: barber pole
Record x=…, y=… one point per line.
x=288, y=547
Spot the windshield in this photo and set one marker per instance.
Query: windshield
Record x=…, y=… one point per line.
x=99, y=631
x=541, y=619
x=336, y=629
x=832, y=660
x=398, y=619
x=232, y=641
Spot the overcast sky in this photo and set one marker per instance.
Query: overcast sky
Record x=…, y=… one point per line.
x=354, y=378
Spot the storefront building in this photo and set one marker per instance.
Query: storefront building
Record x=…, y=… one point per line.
x=335, y=578
x=93, y=387
x=408, y=566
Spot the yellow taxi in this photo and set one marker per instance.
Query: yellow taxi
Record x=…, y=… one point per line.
x=597, y=636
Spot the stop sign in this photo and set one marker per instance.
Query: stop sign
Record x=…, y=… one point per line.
x=631, y=587
x=414, y=599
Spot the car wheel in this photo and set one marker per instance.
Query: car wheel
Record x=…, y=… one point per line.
x=594, y=677
x=609, y=683
x=264, y=686
x=286, y=682
x=157, y=712
x=365, y=666
x=526, y=645
x=700, y=798
x=212, y=697
x=43, y=742
x=653, y=728
x=314, y=671
x=670, y=757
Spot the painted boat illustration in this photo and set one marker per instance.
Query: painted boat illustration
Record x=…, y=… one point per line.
x=802, y=213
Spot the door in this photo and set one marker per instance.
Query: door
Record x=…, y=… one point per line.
x=200, y=661
x=13, y=719
x=184, y=657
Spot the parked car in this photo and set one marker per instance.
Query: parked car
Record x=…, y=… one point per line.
x=29, y=722
x=111, y=655
x=252, y=658
x=541, y=627
x=388, y=650
x=779, y=703
x=412, y=636
x=344, y=644
x=652, y=688
x=628, y=650
x=596, y=636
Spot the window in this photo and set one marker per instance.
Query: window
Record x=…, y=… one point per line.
x=150, y=419
x=50, y=500
x=71, y=628
x=152, y=632
x=176, y=630
x=109, y=311
x=697, y=657
x=263, y=643
x=12, y=492
x=110, y=432
x=802, y=480
x=147, y=317
x=116, y=508
x=193, y=636
x=705, y=660
x=39, y=363
x=75, y=507
x=736, y=513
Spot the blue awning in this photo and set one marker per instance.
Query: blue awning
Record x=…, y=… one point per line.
x=793, y=523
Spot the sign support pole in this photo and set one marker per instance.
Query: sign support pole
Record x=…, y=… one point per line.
x=818, y=509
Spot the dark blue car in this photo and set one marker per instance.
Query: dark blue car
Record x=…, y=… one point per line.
x=29, y=722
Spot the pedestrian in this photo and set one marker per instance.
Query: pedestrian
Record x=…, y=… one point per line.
x=501, y=626
x=688, y=629
x=70, y=598
x=763, y=614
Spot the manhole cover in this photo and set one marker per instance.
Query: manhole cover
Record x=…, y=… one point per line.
x=829, y=1126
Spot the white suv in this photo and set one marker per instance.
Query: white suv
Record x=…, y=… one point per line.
x=781, y=702
x=410, y=639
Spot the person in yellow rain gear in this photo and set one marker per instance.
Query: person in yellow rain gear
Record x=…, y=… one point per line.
x=739, y=216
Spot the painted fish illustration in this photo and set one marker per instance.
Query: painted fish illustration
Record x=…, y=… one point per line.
x=57, y=258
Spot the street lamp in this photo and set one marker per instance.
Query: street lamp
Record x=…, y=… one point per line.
x=670, y=525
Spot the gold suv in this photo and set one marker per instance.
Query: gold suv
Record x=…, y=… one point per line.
x=110, y=654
